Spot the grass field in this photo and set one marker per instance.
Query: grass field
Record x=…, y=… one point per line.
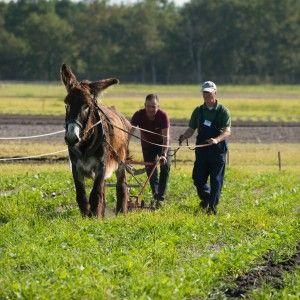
x=48, y=251
x=255, y=103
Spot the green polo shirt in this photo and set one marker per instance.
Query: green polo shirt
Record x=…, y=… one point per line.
x=223, y=117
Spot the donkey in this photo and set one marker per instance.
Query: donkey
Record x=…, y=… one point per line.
x=97, y=138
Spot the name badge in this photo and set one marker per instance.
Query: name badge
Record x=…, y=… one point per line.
x=207, y=123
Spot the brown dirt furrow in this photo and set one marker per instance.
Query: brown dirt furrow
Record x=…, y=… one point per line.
x=239, y=134
x=270, y=272
x=8, y=119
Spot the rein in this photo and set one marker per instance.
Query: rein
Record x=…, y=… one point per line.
x=144, y=140
x=135, y=127
x=131, y=134
x=160, y=145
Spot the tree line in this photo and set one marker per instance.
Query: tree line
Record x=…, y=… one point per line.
x=152, y=41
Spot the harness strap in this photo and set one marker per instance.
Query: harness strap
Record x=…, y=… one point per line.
x=75, y=121
x=120, y=161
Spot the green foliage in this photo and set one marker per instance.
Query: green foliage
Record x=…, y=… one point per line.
x=12, y=51
x=152, y=40
x=49, y=45
x=47, y=250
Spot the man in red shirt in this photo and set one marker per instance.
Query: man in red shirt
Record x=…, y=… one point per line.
x=154, y=119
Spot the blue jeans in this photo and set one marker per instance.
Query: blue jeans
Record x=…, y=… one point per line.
x=158, y=183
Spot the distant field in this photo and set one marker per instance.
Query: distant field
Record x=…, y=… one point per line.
x=255, y=103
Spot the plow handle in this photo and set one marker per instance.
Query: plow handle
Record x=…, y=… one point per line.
x=149, y=177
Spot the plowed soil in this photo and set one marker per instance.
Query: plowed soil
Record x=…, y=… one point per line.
x=242, y=132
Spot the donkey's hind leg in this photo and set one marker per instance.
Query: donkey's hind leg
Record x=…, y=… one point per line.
x=122, y=190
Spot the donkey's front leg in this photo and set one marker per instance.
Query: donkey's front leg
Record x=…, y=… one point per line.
x=81, y=198
x=122, y=190
x=97, y=196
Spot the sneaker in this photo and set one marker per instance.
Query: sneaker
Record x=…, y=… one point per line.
x=159, y=204
x=211, y=210
x=203, y=204
x=152, y=204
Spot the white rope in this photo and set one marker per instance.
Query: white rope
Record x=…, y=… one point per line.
x=142, y=129
x=31, y=136
x=33, y=156
x=185, y=146
x=161, y=145
x=135, y=127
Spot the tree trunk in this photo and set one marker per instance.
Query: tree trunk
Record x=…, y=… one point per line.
x=143, y=74
x=153, y=69
x=168, y=75
x=195, y=53
x=199, y=67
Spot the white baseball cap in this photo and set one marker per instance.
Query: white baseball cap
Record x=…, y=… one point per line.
x=209, y=86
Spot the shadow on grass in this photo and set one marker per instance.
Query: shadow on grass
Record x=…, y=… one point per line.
x=3, y=219
x=190, y=209
x=62, y=211
x=67, y=211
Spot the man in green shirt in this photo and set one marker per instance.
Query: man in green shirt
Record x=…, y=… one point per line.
x=213, y=122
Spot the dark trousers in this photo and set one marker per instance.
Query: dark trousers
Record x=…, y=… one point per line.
x=158, y=183
x=209, y=164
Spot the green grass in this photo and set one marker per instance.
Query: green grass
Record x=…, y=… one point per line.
x=48, y=251
x=256, y=103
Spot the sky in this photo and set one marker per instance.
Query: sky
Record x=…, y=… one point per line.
x=177, y=2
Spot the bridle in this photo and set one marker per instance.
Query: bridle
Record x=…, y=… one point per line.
x=67, y=122
x=83, y=124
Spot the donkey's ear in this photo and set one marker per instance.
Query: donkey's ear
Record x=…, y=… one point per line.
x=68, y=78
x=97, y=87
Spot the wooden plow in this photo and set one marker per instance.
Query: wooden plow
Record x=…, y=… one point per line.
x=135, y=201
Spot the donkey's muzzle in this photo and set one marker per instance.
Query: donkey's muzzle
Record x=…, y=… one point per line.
x=72, y=134
x=71, y=141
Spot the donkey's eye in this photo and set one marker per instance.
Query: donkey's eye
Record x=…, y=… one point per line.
x=85, y=109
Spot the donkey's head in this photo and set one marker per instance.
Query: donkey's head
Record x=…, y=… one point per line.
x=80, y=102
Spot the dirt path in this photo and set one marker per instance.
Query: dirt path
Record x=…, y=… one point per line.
x=17, y=126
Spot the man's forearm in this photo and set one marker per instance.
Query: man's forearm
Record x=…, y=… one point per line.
x=166, y=141
x=226, y=133
x=188, y=133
